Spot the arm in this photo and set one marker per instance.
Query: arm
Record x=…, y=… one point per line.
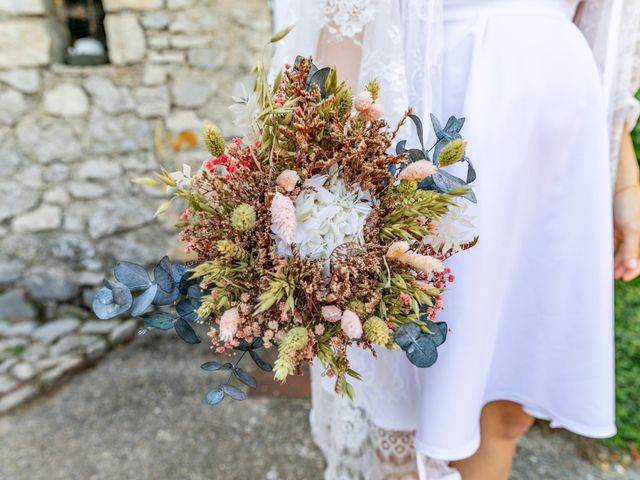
x=626, y=209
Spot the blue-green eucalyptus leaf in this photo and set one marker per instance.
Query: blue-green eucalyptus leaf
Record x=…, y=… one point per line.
x=214, y=396
x=165, y=298
x=185, y=310
x=401, y=147
x=419, y=130
x=260, y=362
x=104, y=305
x=233, y=392
x=132, y=275
x=214, y=366
x=406, y=334
x=144, y=300
x=245, y=378
x=159, y=320
x=438, y=335
x=178, y=270
x=186, y=331
x=422, y=351
x=471, y=172
x=163, y=275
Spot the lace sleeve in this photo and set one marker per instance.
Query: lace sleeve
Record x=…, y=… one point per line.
x=612, y=28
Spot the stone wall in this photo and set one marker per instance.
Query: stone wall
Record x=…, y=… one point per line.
x=73, y=138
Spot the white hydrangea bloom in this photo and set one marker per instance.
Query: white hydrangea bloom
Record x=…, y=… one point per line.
x=328, y=215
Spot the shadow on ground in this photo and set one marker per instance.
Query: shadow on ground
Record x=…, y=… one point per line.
x=140, y=415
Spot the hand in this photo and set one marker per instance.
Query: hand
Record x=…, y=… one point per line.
x=626, y=216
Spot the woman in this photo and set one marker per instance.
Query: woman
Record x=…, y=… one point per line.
x=531, y=315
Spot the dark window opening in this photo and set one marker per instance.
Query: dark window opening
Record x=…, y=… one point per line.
x=84, y=24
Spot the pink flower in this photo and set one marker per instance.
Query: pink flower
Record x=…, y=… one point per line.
x=351, y=325
x=229, y=324
x=331, y=313
x=283, y=218
x=288, y=180
x=373, y=113
x=418, y=170
x=319, y=329
x=363, y=101
x=404, y=296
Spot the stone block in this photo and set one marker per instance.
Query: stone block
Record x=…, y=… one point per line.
x=22, y=7
x=13, y=106
x=49, y=332
x=46, y=217
x=66, y=100
x=25, y=80
x=140, y=5
x=14, y=307
x=125, y=38
x=16, y=51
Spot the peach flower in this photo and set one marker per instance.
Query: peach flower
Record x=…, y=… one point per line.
x=331, y=313
x=229, y=324
x=351, y=325
x=363, y=101
x=397, y=249
x=288, y=180
x=418, y=170
x=373, y=113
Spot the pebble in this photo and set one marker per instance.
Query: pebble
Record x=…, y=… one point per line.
x=17, y=397
x=99, y=327
x=72, y=343
x=53, y=330
x=21, y=329
x=65, y=366
x=23, y=371
x=123, y=332
x=7, y=384
x=96, y=350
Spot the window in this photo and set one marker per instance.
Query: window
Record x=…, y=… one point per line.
x=83, y=23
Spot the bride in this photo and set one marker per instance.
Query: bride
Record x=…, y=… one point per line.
x=549, y=107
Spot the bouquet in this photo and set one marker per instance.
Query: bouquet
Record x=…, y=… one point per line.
x=310, y=234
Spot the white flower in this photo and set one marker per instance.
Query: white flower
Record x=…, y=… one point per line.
x=182, y=179
x=327, y=215
x=453, y=229
x=244, y=111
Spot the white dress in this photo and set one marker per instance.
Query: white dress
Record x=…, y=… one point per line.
x=531, y=311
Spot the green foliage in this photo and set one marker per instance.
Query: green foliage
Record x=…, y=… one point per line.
x=628, y=354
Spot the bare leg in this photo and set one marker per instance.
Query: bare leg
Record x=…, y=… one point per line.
x=502, y=424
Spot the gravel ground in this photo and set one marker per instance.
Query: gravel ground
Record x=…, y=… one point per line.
x=140, y=415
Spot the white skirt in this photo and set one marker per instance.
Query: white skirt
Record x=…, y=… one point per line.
x=531, y=310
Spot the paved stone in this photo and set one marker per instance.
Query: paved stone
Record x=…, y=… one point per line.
x=99, y=327
x=7, y=384
x=15, y=398
x=51, y=331
x=23, y=371
x=21, y=329
x=124, y=331
x=72, y=343
x=69, y=364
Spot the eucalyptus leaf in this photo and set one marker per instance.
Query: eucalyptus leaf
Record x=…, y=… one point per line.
x=132, y=275
x=419, y=130
x=407, y=334
x=159, y=320
x=422, y=351
x=166, y=298
x=245, y=378
x=214, y=366
x=320, y=78
x=121, y=293
x=438, y=335
x=195, y=294
x=187, y=281
x=233, y=392
x=185, y=310
x=104, y=305
x=214, y=396
x=262, y=364
x=437, y=128
x=144, y=300
x=454, y=125
x=416, y=154
x=178, y=270
x=245, y=346
x=185, y=331
x=163, y=275
x=471, y=172
x=401, y=147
